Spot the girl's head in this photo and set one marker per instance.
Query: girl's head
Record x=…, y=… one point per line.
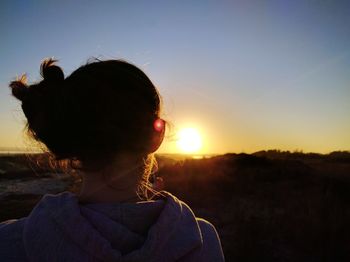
x=102, y=110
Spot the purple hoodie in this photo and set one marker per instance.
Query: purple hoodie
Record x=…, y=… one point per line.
x=61, y=229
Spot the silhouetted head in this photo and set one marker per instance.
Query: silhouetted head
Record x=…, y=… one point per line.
x=103, y=109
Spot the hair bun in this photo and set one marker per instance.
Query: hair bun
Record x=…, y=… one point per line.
x=19, y=88
x=51, y=72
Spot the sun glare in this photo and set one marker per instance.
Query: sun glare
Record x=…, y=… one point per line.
x=189, y=140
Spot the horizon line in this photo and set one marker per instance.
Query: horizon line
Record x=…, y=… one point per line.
x=14, y=150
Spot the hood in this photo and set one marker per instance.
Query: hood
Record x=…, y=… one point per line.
x=161, y=230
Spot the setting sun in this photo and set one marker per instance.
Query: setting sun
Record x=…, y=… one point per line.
x=189, y=140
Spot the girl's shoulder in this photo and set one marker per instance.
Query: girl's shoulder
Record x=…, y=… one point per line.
x=11, y=240
x=12, y=228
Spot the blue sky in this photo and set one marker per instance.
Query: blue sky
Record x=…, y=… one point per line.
x=250, y=75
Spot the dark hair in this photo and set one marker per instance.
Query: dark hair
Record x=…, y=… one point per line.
x=103, y=108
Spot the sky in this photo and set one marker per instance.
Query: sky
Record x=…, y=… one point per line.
x=248, y=75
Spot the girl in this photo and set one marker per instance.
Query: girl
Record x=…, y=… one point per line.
x=106, y=117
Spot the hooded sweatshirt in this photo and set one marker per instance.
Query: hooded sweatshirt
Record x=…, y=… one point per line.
x=61, y=229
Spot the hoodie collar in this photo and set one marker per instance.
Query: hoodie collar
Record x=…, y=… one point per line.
x=160, y=230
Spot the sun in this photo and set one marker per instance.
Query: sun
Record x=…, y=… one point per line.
x=189, y=140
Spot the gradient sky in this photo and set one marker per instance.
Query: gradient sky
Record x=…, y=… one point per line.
x=250, y=75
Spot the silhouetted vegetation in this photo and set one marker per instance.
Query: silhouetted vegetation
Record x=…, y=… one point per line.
x=266, y=206
x=271, y=205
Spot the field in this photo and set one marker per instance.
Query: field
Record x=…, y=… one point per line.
x=266, y=206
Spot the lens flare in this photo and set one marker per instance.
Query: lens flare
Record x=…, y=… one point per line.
x=158, y=125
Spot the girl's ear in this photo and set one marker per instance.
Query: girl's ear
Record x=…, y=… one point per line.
x=158, y=134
